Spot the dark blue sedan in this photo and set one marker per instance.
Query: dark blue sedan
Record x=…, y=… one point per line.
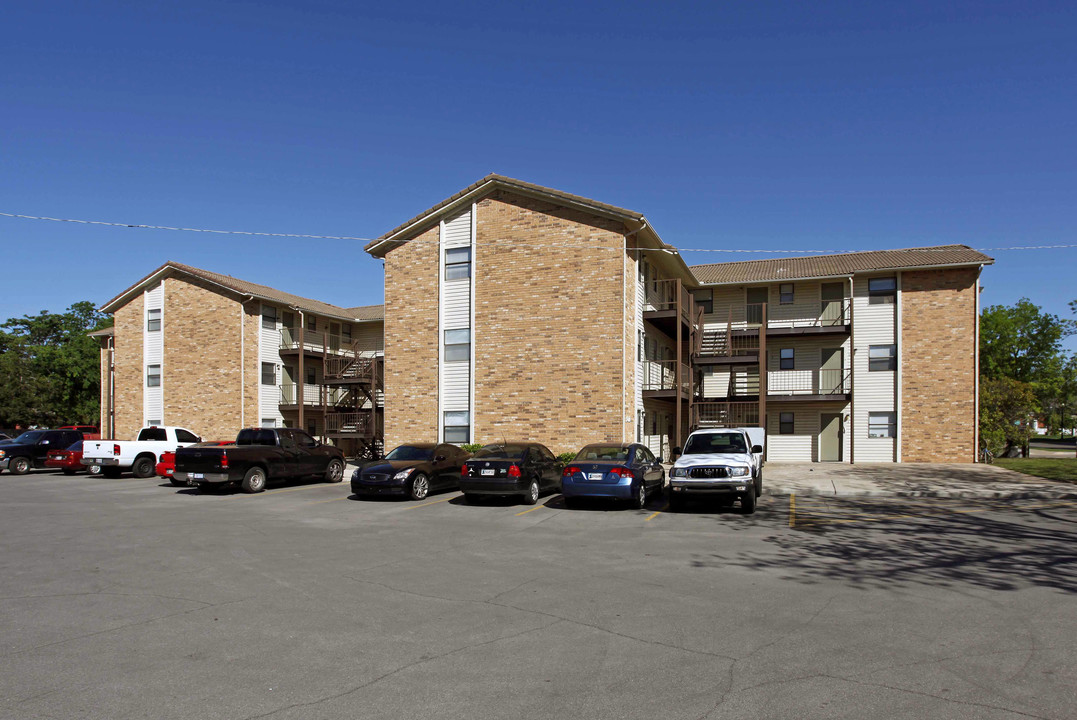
x=624, y=471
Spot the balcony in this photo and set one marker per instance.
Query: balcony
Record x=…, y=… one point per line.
x=809, y=384
x=353, y=370
x=313, y=395
x=660, y=378
x=353, y=425
x=313, y=341
x=725, y=414
x=661, y=301
x=828, y=316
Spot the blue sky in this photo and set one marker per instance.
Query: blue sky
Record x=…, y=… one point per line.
x=843, y=126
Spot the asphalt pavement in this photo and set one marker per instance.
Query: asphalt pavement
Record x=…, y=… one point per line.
x=130, y=598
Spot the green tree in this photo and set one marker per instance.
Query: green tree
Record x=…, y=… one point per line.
x=50, y=368
x=1022, y=342
x=1006, y=406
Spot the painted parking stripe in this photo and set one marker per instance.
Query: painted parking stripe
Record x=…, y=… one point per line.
x=537, y=507
x=655, y=514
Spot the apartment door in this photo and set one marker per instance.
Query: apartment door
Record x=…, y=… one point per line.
x=830, y=372
x=833, y=311
x=831, y=434
x=334, y=337
x=754, y=299
x=287, y=387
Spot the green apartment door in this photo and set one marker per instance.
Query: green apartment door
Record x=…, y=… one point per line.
x=830, y=372
x=832, y=311
x=830, y=437
x=754, y=299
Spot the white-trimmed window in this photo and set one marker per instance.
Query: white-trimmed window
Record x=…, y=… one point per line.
x=882, y=290
x=882, y=424
x=882, y=358
x=269, y=374
x=269, y=317
x=705, y=300
x=153, y=320
x=785, y=294
x=786, y=359
x=457, y=263
x=458, y=345
x=153, y=376
x=457, y=426
x=785, y=423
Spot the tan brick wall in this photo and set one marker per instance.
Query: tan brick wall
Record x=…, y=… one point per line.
x=411, y=342
x=549, y=325
x=130, y=373
x=201, y=374
x=938, y=373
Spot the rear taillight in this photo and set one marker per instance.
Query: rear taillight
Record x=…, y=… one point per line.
x=463, y=469
x=622, y=472
x=115, y=449
x=224, y=458
x=571, y=470
x=514, y=471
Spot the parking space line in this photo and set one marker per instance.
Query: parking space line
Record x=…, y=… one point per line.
x=435, y=502
x=655, y=514
x=537, y=507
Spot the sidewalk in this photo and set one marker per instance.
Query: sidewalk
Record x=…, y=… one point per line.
x=943, y=480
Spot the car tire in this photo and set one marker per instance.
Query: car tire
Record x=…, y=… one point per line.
x=93, y=469
x=334, y=471
x=143, y=467
x=254, y=481
x=747, y=502
x=19, y=466
x=419, y=487
x=110, y=472
x=533, y=491
x=639, y=496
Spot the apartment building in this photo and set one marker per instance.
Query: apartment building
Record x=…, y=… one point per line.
x=518, y=311
x=215, y=354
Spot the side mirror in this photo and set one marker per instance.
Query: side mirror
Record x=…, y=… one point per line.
x=676, y=453
x=756, y=449
x=659, y=460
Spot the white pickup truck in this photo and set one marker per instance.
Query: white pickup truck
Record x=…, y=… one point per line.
x=140, y=455
x=725, y=463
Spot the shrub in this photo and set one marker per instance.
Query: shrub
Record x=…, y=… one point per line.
x=471, y=447
x=566, y=457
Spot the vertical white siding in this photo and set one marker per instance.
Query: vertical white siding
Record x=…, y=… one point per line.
x=269, y=352
x=454, y=386
x=153, y=351
x=641, y=298
x=873, y=391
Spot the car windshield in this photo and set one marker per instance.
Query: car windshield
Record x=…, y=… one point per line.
x=715, y=443
x=31, y=436
x=409, y=452
x=603, y=452
x=503, y=452
x=256, y=436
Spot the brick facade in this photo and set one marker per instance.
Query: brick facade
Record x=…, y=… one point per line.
x=130, y=375
x=549, y=325
x=411, y=341
x=937, y=352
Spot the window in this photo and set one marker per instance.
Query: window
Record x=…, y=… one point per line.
x=268, y=423
x=882, y=425
x=785, y=423
x=154, y=433
x=287, y=319
x=786, y=359
x=882, y=357
x=785, y=294
x=269, y=374
x=705, y=300
x=312, y=322
x=269, y=318
x=457, y=263
x=153, y=376
x=457, y=347
x=346, y=333
x=312, y=375
x=457, y=427
x=185, y=436
x=153, y=320
x=882, y=291
x=306, y=439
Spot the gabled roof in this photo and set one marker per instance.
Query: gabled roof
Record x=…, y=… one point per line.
x=242, y=287
x=822, y=266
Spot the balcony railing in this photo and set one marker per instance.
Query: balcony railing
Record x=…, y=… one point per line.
x=808, y=382
x=362, y=424
x=664, y=295
x=662, y=375
x=829, y=313
x=316, y=341
x=312, y=395
x=725, y=414
x=348, y=367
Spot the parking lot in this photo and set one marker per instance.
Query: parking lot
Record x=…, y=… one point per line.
x=131, y=598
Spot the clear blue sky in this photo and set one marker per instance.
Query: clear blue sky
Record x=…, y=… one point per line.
x=730, y=125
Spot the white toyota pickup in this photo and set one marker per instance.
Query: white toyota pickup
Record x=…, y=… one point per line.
x=724, y=463
x=112, y=457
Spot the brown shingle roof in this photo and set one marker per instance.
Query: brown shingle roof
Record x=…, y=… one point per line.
x=813, y=266
x=262, y=292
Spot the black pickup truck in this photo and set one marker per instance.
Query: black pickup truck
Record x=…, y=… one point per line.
x=258, y=456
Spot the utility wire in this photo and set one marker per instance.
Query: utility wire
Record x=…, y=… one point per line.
x=516, y=243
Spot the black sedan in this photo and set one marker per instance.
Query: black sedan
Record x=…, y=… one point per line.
x=414, y=470
x=524, y=469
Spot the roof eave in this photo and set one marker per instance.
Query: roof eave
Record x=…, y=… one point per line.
x=977, y=263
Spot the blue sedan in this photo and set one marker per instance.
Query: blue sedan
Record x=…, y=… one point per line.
x=624, y=471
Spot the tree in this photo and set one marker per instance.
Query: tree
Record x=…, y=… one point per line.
x=1022, y=342
x=50, y=369
x=1006, y=405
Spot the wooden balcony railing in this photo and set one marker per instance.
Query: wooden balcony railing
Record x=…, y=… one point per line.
x=662, y=375
x=808, y=382
x=317, y=341
x=312, y=395
x=354, y=367
x=664, y=295
x=725, y=414
x=359, y=424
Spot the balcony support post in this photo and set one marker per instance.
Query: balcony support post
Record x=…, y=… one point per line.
x=763, y=370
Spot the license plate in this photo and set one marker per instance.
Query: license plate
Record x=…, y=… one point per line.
x=594, y=476
x=195, y=476
x=488, y=471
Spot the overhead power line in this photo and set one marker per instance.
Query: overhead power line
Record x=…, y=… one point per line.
x=140, y=226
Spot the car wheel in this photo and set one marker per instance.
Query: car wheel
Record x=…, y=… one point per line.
x=639, y=496
x=334, y=472
x=254, y=481
x=419, y=487
x=747, y=502
x=532, y=495
x=93, y=469
x=143, y=467
x=110, y=472
x=759, y=483
x=19, y=466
